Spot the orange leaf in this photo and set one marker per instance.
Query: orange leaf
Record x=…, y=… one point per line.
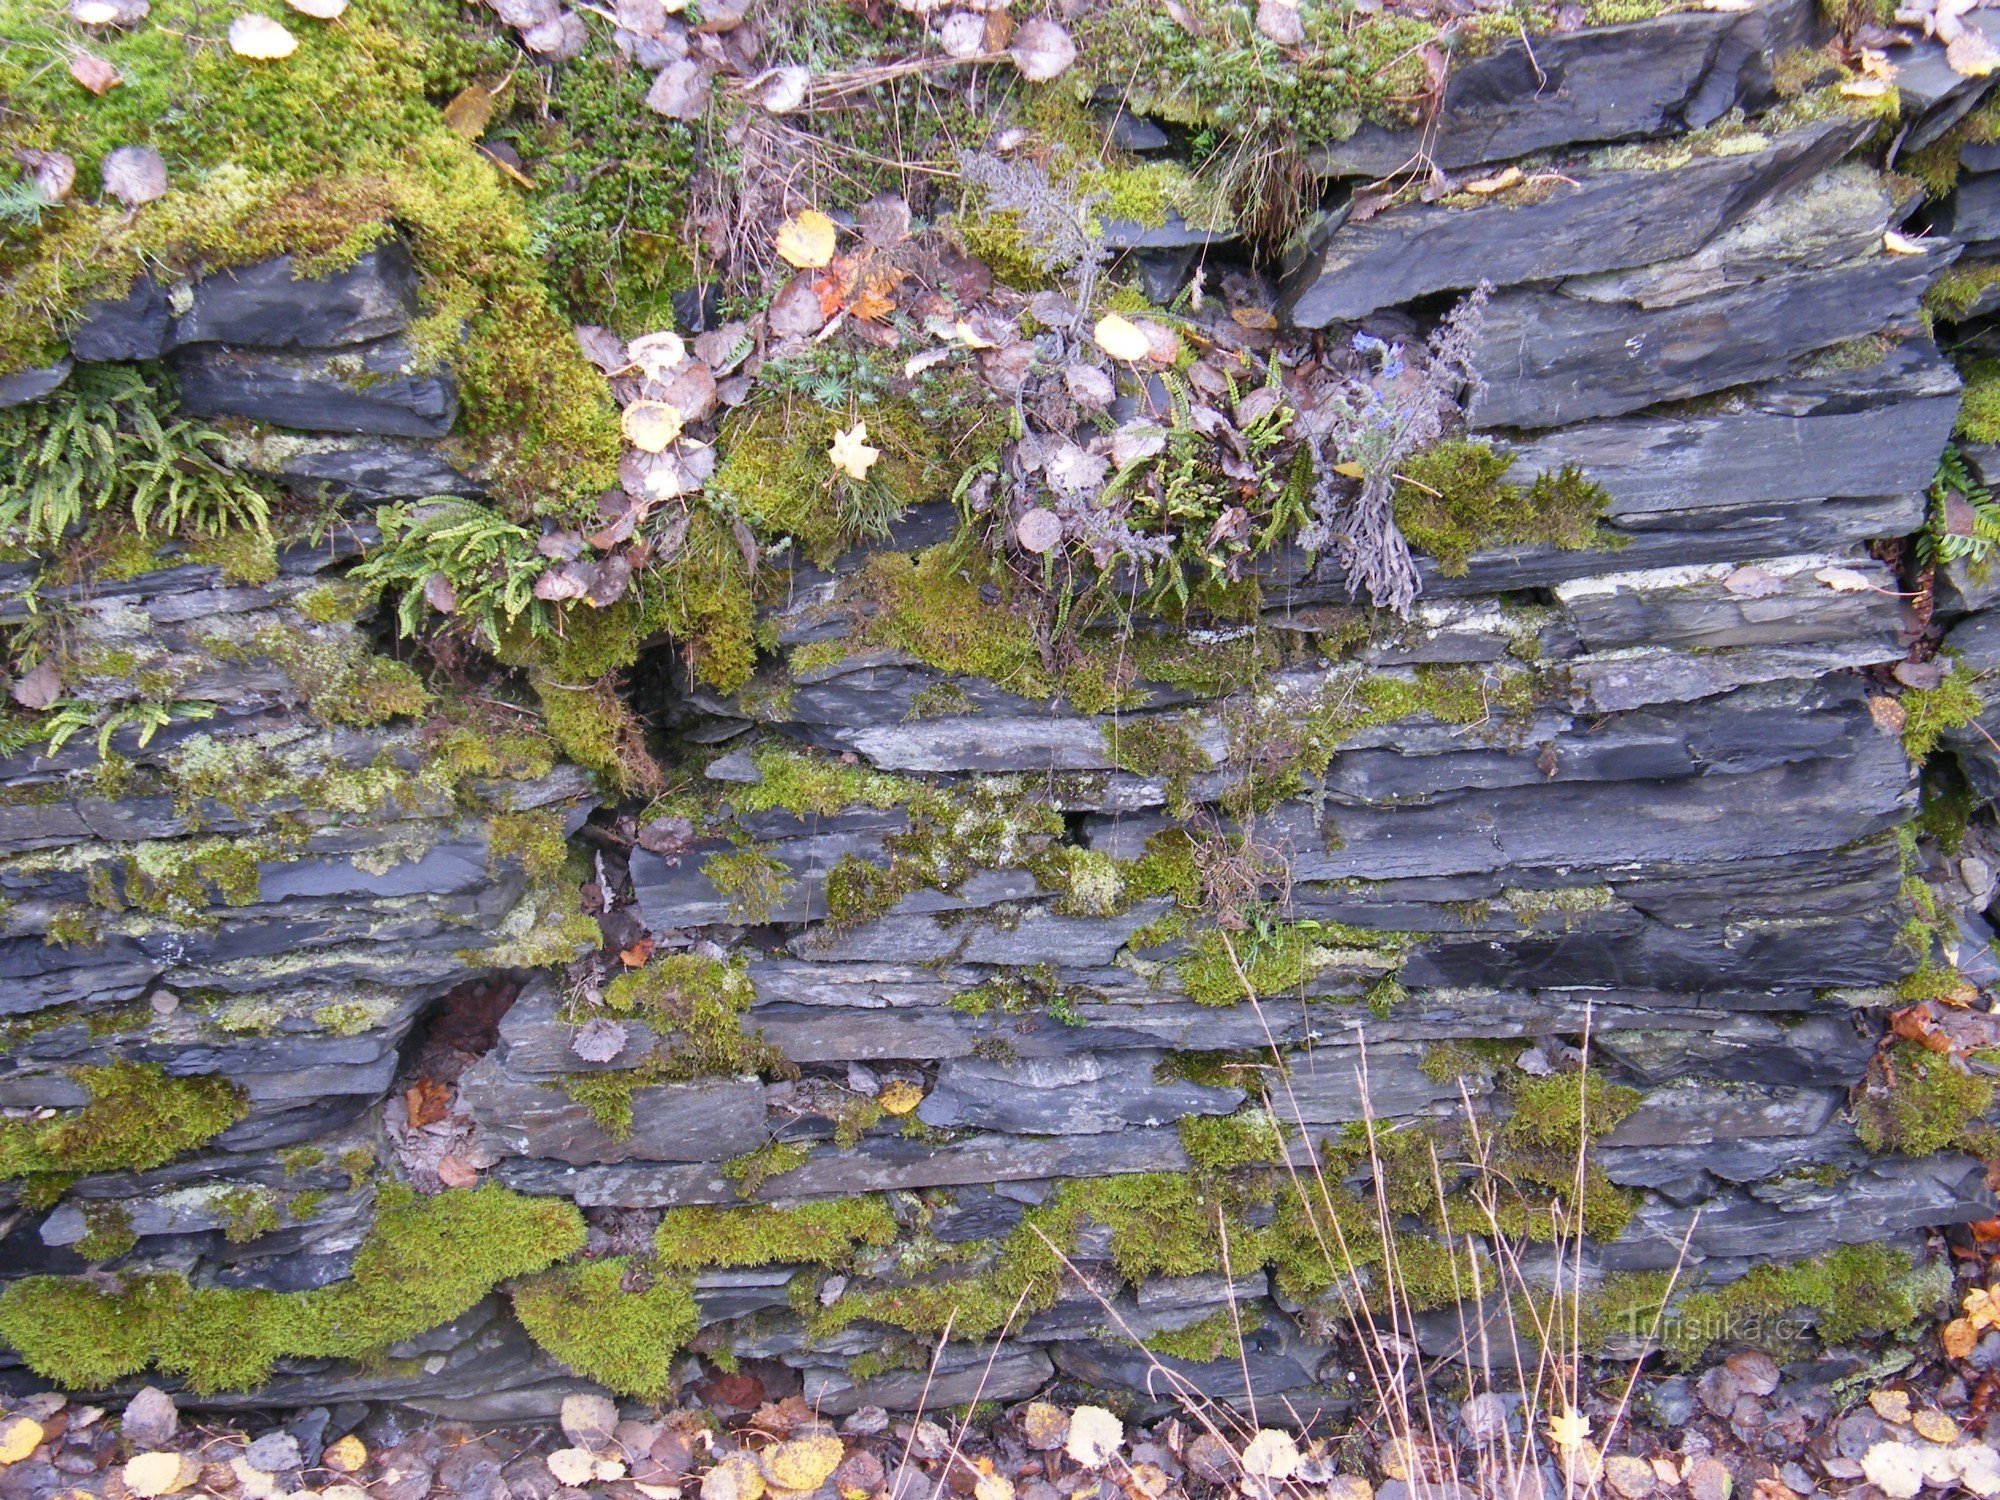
x=1958, y=1338
x=876, y=297
x=635, y=956
x=1914, y=1023
x=428, y=1101
x=1985, y=1229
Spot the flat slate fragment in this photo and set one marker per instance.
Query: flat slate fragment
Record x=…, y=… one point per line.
x=1682, y=71
x=1609, y=218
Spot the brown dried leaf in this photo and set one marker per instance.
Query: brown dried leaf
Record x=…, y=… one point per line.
x=427, y=1101
x=39, y=689
x=134, y=175
x=1042, y=50
x=94, y=73
x=471, y=110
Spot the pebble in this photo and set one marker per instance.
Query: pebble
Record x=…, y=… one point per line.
x=275, y=1453
x=1630, y=1477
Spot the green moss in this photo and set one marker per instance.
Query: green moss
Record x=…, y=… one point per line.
x=426, y=1262
x=1086, y=882
x=1917, y=1101
x=1857, y=1291
x=137, y=1118
x=1979, y=404
x=696, y=1005
x=1563, y=902
x=108, y=1232
x=242, y=557
x=753, y=881
x=71, y=926
x=1218, y=1143
x=812, y=785
x=1932, y=713
x=248, y=1213
x=1160, y=748
x=343, y=682
x=298, y=1159
x=1275, y=958
x=614, y=1321
x=1453, y=500
x=182, y=879
x=753, y=1169
x=1214, y=1337
x=929, y=604
x=1565, y=1111
x=358, y=1162
x=821, y=1234
x=857, y=891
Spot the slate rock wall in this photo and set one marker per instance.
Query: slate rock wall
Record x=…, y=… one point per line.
x=1638, y=798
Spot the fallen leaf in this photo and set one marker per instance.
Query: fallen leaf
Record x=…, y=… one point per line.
x=992, y=1487
x=1896, y=1469
x=1499, y=182
x=1042, y=50
x=1889, y=715
x=600, y=1039
x=1864, y=88
x=806, y=240
x=784, y=89
x=441, y=594
x=850, y=453
x=1891, y=1406
x=1959, y=1338
x=1843, y=580
x=1271, y=1454
x=455, y=1171
x=736, y=1477
x=1121, y=338
x=961, y=33
x=899, y=1097
x=635, y=956
x=94, y=73
x=681, y=91
x=36, y=691
x=1978, y=1468
x=260, y=38
x=320, y=10
x=1897, y=243
x=150, y=1475
x=1934, y=1426
x=650, y=426
x=1044, y=1425
x=1095, y=1436
x=54, y=173
x=470, y=110
x=573, y=1467
x=1568, y=1430
x=345, y=1455
x=1753, y=582
x=428, y=1101
x=134, y=175
x=109, y=12
x=19, y=1437
x=1038, y=530
x=1279, y=21
x=656, y=353
x=803, y=1463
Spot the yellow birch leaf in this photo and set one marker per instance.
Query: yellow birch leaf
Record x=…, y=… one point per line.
x=650, y=425
x=806, y=240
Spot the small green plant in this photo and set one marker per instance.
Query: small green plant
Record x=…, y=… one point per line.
x=447, y=549
x=111, y=440
x=1963, y=522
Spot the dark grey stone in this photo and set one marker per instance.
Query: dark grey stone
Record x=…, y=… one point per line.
x=1083, y=1093
x=1972, y=213
x=270, y=306
x=22, y=386
x=137, y=326
x=1870, y=431
x=372, y=388
x=1602, y=83
x=378, y=469
x=1609, y=218
x=1550, y=359
x=672, y=1122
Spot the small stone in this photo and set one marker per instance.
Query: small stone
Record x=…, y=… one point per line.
x=1976, y=874
x=274, y=1453
x=867, y=1421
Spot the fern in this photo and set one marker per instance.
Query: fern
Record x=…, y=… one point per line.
x=110, y=440
x=489, y=561
x=1968, y=534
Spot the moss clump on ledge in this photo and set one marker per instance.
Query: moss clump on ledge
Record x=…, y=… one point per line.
x=1916, y=1101
x=254, y=171
x=824, y=1234
x=1453, y=500
x=137, y=1118
x=1932, y=713
x=616, y=1321
x=427, y=1261
x=1857, y=1291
